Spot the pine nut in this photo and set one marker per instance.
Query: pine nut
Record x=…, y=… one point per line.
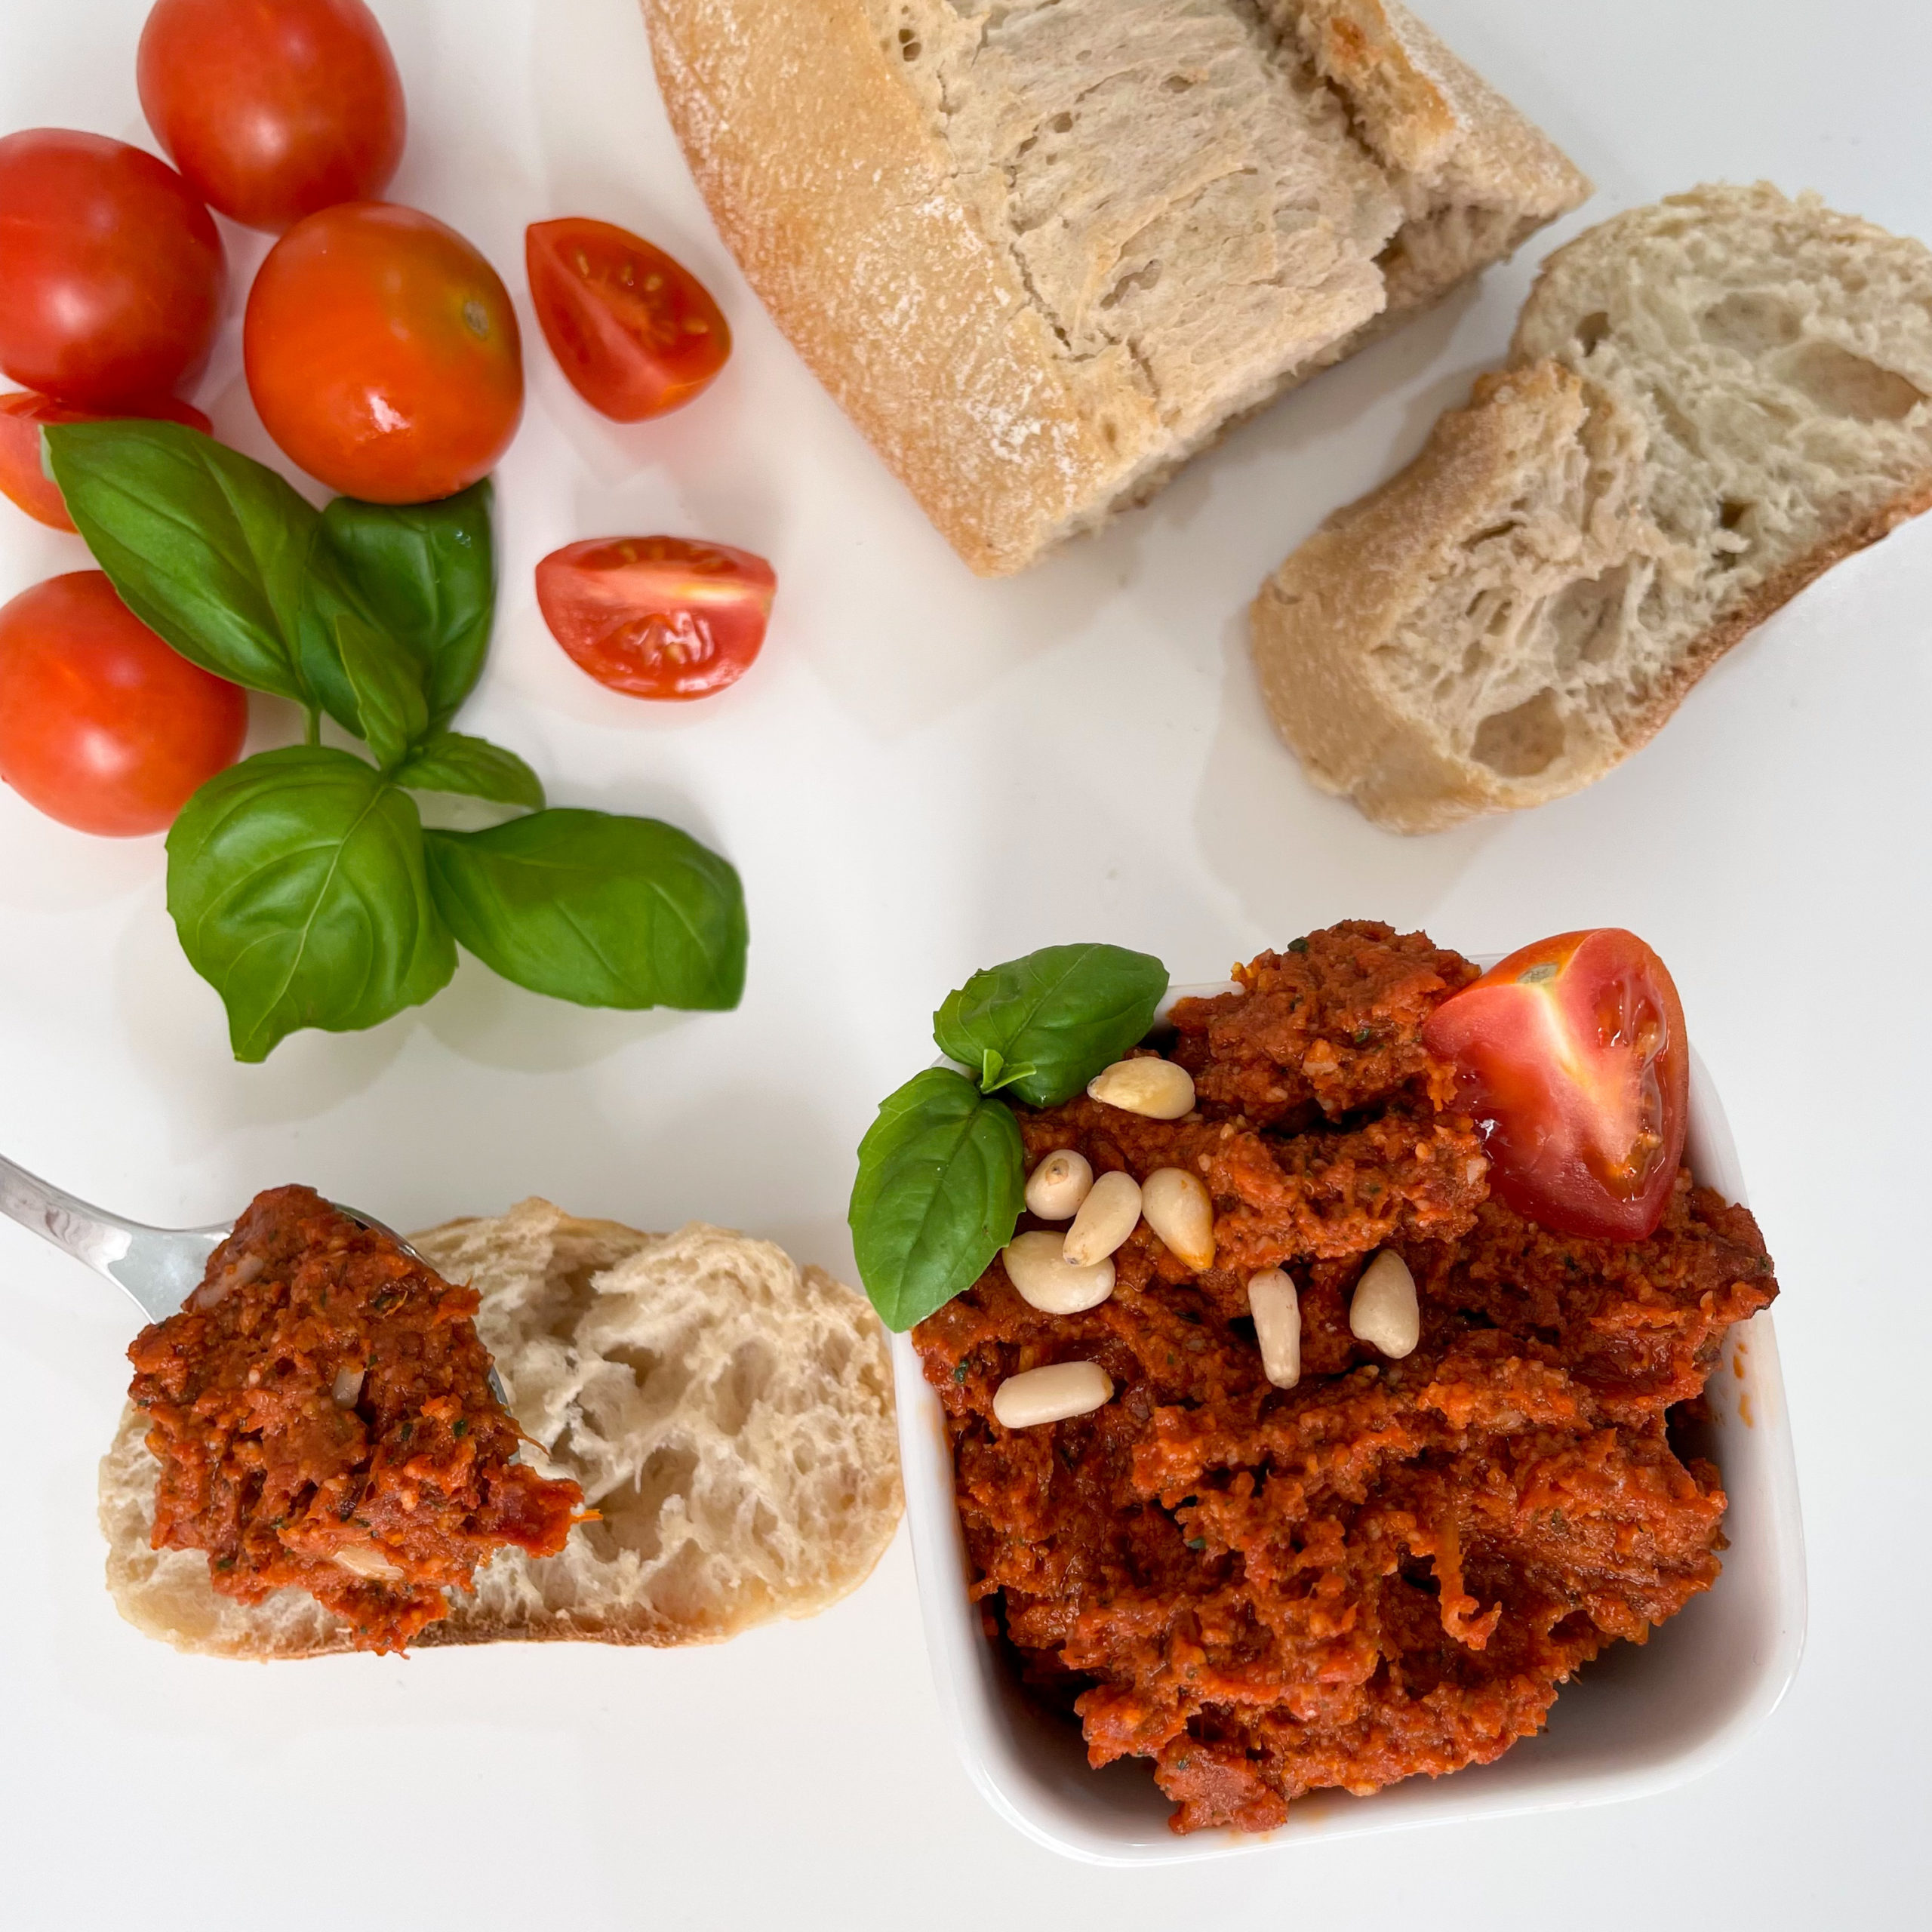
x=1044, y=1278
x=348, y=1388
x=1384, y=1312
x=1056, y=1188
x=1106, y=1218
x=1276, y=1308
x=1159, y=1089
x=1052, y=1394
x=1180, y=1210
x=366, y=1561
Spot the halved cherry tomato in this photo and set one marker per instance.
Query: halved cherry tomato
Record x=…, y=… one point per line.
x=1573, y=1053
x=23, y=476
x=101, y=726
x=273, y=108
x=112, y=278
x=383, y=353
x=656, y=617
x=637, y=333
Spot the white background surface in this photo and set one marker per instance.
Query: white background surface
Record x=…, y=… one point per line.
x=924, y=774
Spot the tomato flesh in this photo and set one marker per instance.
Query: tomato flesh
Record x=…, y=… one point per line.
x=101, y=726
x=112, y=279
x=657, y=617
x=1572, y=1053
x=23, y=477
x=635, y=331
x=382, y=354
x=273, y=108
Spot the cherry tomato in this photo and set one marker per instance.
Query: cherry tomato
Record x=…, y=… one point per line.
x=383, y=353
x=1573, y=1052
x=101, y=726
x=656, y=617
x=111, y=276
x=273, y=108
x=23, y=476
x=637, y=333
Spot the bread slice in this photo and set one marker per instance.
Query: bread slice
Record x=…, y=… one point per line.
x=1043, y=252
x=728, y=1414
x=1709, y=402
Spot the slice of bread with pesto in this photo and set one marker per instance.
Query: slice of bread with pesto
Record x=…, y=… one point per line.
x=1043, y=253
x=1708, y=402
x=728, y=1414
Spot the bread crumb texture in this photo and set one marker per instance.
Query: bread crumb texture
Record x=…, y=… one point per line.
x=1710, y=401
x=1043, y=251
x=728, y=1414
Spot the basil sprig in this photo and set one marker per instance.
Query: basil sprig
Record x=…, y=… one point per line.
x=942, y=1172
x=302, y=883
x=1045, y=1024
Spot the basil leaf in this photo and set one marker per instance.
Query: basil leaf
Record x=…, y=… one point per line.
x=295, y=880
x=206, y=546
x=1052, y=1021
x=387, y=685
x=448, y=761
x=605, y=911
x=425, y=574
x=942, y=1178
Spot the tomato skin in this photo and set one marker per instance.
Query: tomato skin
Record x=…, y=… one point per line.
x=657, y=617
x=101, y=726
x=382, y=354
x=23, y=476
x=273, y=108
x=635, y=331
x=1573, y=1052
x=112, y=279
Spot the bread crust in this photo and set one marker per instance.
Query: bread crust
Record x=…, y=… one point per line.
x=839, y=198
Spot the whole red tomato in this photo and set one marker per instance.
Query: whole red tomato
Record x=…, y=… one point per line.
x=273, y=108
x=637, y=333
x=1573, y=1051
x=112, y=275
x=23, y=476
x=101, y=726
x=382, y=354
x=657, y=617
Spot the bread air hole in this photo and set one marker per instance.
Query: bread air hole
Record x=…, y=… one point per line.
x=739, y=1390
x=1580, y=621
x=1750, y=322
x=632, y=1514
x=1844, y=384
x=1591, y=329
x=1523, y=741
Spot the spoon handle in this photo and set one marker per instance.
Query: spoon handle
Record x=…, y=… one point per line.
x=158, y=1267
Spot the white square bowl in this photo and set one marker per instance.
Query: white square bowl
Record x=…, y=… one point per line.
x=1637, y=1721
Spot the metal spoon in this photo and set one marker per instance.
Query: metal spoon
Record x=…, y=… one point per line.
x=159, y=1268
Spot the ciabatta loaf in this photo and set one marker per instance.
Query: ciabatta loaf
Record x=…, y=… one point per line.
x=1043, y=251
x=1709, y=402
x=728, y=1414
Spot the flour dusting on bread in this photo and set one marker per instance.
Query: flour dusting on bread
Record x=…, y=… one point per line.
x=1044, y=251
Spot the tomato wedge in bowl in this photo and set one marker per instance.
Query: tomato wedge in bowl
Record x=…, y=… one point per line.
x=23, y=478
x=657, y=617
x=1572, y=1053
x=635, y=331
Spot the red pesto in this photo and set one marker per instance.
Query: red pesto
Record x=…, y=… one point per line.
x=1389, y=1568
x=323, y=1419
